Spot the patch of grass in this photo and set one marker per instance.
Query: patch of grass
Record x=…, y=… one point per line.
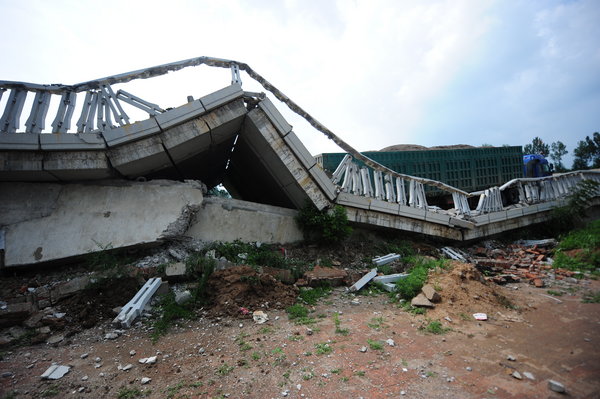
x=323, y=349
x=224, y=369
x=435, y=327
x=591, y=298
x=310, y=296
x=295, y=338
x=53, y=390
x=336, y=371
x=344, y=379
x=129, y=393
x=325, y=226
x=338, y=328
x=277, y=351
x=172, y=391
x=555, y=293
x=376, y=323
x=245, y=346
x=308, y=376
x=255, y=356
x=197, y=384
x=375, y=345
x=169, y=311
x=265, y=330
x=407, y=288
x=296, y=311
x=360, y=373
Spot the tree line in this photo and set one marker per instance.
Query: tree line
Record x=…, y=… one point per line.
x=586, y=154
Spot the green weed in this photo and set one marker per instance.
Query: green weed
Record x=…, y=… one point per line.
x=591, y=298
x=555, y=293
x=435, y=327
x=326, y=226
x=323, y=349
x=375, y=345
x=129, y=393
x=224, y=369
x=310, y=296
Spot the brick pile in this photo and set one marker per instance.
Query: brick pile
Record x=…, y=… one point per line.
x=516, y=262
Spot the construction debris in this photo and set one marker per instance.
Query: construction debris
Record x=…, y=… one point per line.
x=134, y=307
x=364, y=280
x=385, y=259
x=421, y=301
x=480, y=316
x=260, y=317
x=55, y=372
x=454, y=253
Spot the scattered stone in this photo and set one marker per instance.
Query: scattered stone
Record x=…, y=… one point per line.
x=98, y=359
x=517, y=375
x=127, y=367
x=299, y=387
x=148, y=360
x=390, y=342
x=363, y=349
x=85, y=355
x=556, y=386
x=430, y=293
x=402, y=393
x=355, y=301
x=81, y=389
x=182, y=297
x=448, y=319
x=480, y=316
x=55, y=372
x=111, y=335
x=511, y=358
x=84, y=378
x=132, y=352
x=528, y=375
x=285, y=393
x=421, y=301
x=175, y=269
x=7, y=374
x=55, y=339
x=146, y=380
x=469, y=369
x=201, y=351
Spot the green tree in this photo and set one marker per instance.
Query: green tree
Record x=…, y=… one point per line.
x=537, y=146
x=558, y=151
x=587, y=153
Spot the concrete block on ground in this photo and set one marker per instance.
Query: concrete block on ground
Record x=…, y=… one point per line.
x=282, y=126
x=19, y=141
x=175, y=269
x=385, y=259
x=181, y=114
x=389, y=287
x=325, y=276
x=137, y=304
x=227, y=219
x=118, y=213
x=55, y=372
x=71, y=141
x=132, y=132
x=222, y=96
x=364, y=280
x=68, y=288
x=140, y=157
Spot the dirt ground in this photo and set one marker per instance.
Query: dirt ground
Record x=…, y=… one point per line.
x=527, y=331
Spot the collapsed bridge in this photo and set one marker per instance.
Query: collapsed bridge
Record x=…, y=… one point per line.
x=230, y=137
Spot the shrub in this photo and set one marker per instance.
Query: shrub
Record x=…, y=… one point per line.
x=327, y=226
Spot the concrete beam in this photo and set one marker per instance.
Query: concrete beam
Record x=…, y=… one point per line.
x=134, y=308
x=282, y=126
x=82, y=217
x=181, y=114
x=77, y=165
x=225, y=121
x=221, y=97
x=19, y=141
x=140, y=157
x=186, y=140
x=71, y=141
x=132, y=132
x=23, y=166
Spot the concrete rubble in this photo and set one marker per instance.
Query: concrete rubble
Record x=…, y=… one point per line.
x=55, y=372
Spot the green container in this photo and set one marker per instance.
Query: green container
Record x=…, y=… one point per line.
x=470, y=169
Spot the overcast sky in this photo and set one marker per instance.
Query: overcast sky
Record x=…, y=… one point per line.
x=377, y=73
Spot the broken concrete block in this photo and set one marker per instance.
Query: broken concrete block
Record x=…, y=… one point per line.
x=69, y=287
x=325, y=276
x=556, y=386
x=55, y=372
x=182, y=297
x=389, y=278
x=421, y=301
x=383, y=260
x=175, y=269
x=431, y=293
x=364, y=280
x=260, y=317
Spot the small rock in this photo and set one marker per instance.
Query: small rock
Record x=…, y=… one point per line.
x=85, y=355
x=111, y=335
x=98, y=359
x=390, y=342
x=450, y=379
x=7, y=374
x=404, y=369
x=511, y=358
x=299, y=387
x=285, y=393
x=146, y=380
x=556, y=386
x=309, y=331
x=81, y=389
x=201, y=350
x=430, y=293
x=363, y=349
x=132, y=352
x=84, y=378
x=528, y=375
x=448, y=319
x=183, y=297
x=469, y=369
x=355, y=301
x=55, y=339
x=517, y=375
x=260, y=317
x=402, y=393
x=127, y=367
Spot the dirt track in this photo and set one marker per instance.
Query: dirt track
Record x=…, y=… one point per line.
x=232, y=357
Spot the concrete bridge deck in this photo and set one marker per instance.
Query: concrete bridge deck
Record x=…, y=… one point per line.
x=242, y=141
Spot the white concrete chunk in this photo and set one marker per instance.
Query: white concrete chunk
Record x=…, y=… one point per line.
x=55, y=372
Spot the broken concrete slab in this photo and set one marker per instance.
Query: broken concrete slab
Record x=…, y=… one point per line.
x=55, y=372
x=96, y=217
x=421, y=301
x=137, y=304
x=325, y=276
x=176, y=269
x=364, y=280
